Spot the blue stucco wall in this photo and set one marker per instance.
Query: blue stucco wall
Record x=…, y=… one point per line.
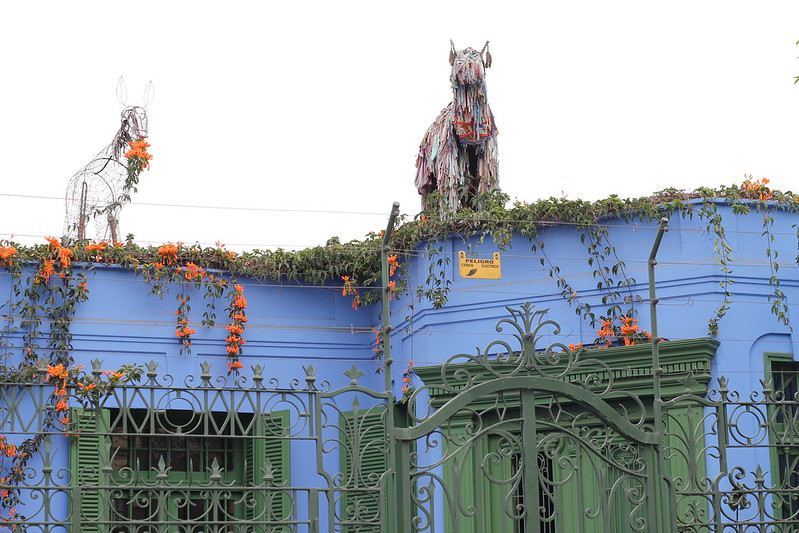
x=291, y=325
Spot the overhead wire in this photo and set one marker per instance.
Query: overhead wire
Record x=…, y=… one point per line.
x=216, y=207
x=544, y=223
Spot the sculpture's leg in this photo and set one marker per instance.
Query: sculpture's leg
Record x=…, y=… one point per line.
x=113, y=225
x=82, y=216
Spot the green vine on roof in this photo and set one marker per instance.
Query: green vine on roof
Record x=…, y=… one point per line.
x=359, y=260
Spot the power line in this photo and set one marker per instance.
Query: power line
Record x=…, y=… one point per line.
x=543, y=223
x=219, y=207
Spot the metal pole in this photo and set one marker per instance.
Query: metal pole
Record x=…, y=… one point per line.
x=396, y=502
x=657, y=371
x=653, y=301
x=386, y=329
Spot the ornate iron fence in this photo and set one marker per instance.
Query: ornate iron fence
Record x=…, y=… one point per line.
x=523, y=436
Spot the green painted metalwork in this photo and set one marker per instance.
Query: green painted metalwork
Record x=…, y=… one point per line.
x=524, y=435
x=523, y=405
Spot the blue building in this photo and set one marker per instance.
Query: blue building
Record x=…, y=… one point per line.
x=511, y=386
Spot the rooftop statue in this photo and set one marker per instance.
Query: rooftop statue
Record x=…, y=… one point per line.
x=98, y=191
x=458, y=154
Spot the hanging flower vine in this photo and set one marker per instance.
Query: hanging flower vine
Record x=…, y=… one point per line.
x=349, y=290
x=183, y=331
x=234, y=340
x=407, y=385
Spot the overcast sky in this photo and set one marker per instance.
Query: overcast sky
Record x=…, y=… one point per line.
x=319, y=106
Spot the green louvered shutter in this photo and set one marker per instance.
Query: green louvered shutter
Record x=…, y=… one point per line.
x=89, y=452
x=364, y=460
x=270, y=499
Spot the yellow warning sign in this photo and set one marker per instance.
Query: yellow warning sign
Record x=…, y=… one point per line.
x=472, y=267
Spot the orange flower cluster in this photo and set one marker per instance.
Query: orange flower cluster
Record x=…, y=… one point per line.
x=407, y=388
x=64, y=257
x=191, y=272
x=629, y=333
x=45, y=271
x=139, y=151
x=392, y=265
x=349, y=290
x=378, y=349
x=6, y=253
x=9, y=450
x=96, y=246
x=238, y=300
x=183, y=331
x=234, y=341
x=62, y=254
x=756, y=189
x=628, y=329
x=576, y=347
x=4, y=492
x=169, y=252
x=605, y=334
x=59, y=373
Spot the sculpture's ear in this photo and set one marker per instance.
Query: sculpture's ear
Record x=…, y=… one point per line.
x=149, y=92
x=486, y=55
x=451, y=53
x=122, y=91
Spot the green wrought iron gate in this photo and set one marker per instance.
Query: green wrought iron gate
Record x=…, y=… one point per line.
x=517, y=439
x=526, y=435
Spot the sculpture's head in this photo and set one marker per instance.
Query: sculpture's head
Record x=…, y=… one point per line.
x=468, y=65
x=134, y=118
x=134, y=122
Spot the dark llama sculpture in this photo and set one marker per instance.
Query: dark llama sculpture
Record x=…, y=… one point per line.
x=458, y=154
x=100, y=189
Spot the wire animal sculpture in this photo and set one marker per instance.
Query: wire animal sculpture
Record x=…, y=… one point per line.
x=99, y=190
x=458, y=154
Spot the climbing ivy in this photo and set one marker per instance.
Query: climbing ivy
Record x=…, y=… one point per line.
x=723, y=250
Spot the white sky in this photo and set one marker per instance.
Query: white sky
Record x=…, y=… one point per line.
x=320, y=106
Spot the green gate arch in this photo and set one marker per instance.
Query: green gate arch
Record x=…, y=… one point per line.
x=519, y=439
